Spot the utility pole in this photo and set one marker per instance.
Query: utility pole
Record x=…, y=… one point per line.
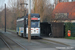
x=5, y=17
x=29, y=21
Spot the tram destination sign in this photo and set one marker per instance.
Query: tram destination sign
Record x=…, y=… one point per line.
x=61, y=15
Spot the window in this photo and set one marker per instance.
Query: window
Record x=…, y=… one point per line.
x=35, y=23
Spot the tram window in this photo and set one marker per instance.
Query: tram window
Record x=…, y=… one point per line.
x=20, y=24
x=35, y=23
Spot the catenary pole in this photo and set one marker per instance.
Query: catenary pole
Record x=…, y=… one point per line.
x=29, y=21
x=5, y=17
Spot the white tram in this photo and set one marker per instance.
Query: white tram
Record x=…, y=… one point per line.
x=22, y=25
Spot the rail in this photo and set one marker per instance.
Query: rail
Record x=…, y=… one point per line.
x=6, y=43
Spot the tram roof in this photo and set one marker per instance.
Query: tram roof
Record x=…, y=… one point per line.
x=32, y=15
x=36, y=15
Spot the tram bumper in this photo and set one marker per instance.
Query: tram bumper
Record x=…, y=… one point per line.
x=33, y=35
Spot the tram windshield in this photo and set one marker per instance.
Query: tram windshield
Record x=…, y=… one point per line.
x=35, y=23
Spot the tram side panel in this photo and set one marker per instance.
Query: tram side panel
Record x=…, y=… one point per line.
x=20, y=27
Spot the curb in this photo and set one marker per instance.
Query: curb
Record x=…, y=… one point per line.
x=56, y=42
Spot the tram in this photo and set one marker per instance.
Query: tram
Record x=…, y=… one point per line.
x=22, y=25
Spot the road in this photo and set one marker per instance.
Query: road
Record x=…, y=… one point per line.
x=35, y=44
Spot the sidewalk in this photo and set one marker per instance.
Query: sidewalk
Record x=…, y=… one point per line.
x=64, y=41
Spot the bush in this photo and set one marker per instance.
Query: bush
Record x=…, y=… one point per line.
x=73, y=34
x=68, y=26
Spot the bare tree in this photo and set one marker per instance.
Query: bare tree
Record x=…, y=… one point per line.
x=39, y=6
x=13, y=11
x=43, y=7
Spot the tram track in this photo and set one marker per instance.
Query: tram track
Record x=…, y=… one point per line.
x=12, y=45
x=44, y=41
x=5, y=43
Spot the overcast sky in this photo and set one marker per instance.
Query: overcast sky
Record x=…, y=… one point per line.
x=2, y=2
x=5, y=1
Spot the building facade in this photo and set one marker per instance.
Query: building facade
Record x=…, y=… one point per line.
x=64, y=12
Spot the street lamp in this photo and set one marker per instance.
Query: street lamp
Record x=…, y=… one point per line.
x=24, y=9
x=23, y=4
x=29, y=19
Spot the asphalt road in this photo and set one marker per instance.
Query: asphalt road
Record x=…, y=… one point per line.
x=35, y=44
